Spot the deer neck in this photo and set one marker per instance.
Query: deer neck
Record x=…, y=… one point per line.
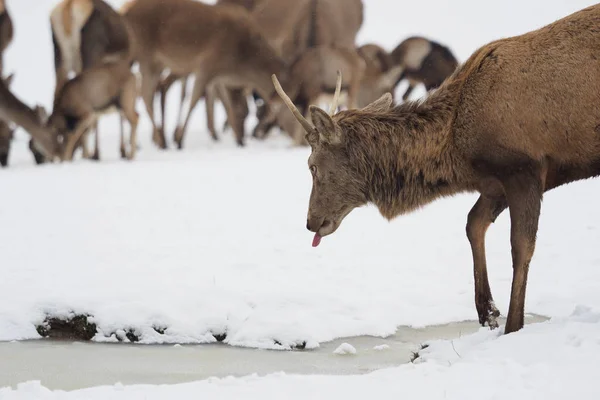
x=411, y=160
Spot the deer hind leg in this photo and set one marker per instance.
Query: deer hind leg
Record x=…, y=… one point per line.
x=235, y=118
x=210, y=111
x=197, y=92
x=150, y=81
x=524, y=195
x=72, y=139
x=482, y=215
x=127, y=101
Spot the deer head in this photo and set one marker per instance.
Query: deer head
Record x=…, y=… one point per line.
x=338, y=186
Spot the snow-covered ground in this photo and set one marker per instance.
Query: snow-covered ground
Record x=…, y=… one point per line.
x=211, y=240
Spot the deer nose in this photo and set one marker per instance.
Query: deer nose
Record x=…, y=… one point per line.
x=314, y=224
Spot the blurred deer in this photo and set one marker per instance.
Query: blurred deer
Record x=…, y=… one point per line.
x=86, y=34
x=425, y=62
x=219, y=45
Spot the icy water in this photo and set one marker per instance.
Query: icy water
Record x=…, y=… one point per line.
x=74, y=365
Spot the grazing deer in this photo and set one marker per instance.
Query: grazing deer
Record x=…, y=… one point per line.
x=6, y=32
x=424, y=61
x=15, y=111
x=380, y=76
x=85, y=34
x=217, y=44
x=234, y=97
x=519, y=118
x=95, y=91
x=311, y=76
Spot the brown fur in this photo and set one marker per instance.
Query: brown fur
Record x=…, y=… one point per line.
x=215, y=43
x=519, y=118
x=6, y=133
x=93, y=92
x=381, y=75
x=14, y=110
x=425, y=62
x=6, y=32
x=86, y=34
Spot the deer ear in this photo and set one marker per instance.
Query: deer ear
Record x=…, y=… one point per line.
x=42, y=114
x=380, y=105
x=325, y=126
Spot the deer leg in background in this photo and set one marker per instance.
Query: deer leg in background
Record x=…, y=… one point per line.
x=409, y=90
x=483, y=213
x=236, y=121
x=163, y=88
x=150, y=81
x=96, y=155
x=197, y=92
x=127, y=101
x=72, y=139
x=524, y=195
x=210, y=111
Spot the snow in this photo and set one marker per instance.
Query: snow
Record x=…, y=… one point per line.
x=381, y=347
x=211, y=240
x=551, y=360
x=345, y=349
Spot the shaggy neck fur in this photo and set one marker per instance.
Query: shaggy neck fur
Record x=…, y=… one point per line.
x=406, y=155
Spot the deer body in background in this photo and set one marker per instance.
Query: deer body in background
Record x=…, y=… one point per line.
x=86, y=34
x=217, y=44
x=381, y=74
x=425, y=62
x=480, y=131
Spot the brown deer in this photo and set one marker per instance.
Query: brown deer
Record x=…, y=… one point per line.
x=311, y=77
x=85, y=34
x=95, y=91
x=380, y=76
x=425, y=61
x=13, y=110
x=6, y=133
x=519, y=118
x=233, y=97
x=217, y=44
x=296, y=26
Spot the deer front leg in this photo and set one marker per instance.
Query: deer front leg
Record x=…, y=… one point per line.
x=524, y=196
x=483, y=213
x=128, y=98
x=96, y=155
x=150, y=80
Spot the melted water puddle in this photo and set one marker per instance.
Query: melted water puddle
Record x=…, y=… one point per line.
x=76, y=365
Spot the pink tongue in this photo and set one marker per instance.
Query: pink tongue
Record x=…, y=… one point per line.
x=316, y=240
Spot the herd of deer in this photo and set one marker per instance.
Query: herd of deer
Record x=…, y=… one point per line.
x=230, y=49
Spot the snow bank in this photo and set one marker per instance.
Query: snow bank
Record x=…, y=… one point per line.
x=555, y=360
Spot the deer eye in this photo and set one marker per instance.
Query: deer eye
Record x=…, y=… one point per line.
x=313, y=170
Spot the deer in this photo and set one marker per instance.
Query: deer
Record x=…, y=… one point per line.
x=369, y=66
x=381, y=74
x=96, y=91
x=86, y=33
x=295, y=27
x=232, y=97
x=425, y=62
x=516, y=120
x=219, y=45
